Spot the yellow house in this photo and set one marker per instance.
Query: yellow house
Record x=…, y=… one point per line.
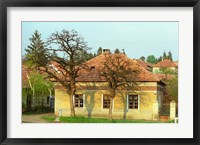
x=143, y=101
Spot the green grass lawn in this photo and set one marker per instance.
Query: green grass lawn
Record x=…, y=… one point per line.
x=49, y=119
x=93, y=120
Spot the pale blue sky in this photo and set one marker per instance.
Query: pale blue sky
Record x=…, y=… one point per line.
x=137, y=38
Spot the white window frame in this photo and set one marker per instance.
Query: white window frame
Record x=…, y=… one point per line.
x=127, y=102
x=83, y=101
x=102, y=103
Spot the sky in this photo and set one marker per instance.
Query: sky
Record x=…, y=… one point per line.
x=136, y=38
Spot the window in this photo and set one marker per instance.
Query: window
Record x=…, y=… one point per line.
x=133, y=101
x=92, y=67
x=106, y=101
x=78, y=100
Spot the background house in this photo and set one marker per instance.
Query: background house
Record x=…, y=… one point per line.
x=165, y=65
x=31, y=100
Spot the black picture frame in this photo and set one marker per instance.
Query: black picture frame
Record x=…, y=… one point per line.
x=4, y=4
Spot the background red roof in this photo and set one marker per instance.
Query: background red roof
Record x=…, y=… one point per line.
x=165, y=63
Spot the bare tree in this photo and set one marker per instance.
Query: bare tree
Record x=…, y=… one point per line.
x=61, y=60
x=120, y=72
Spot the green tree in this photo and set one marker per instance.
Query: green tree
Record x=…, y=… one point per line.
x=166, y=71
x=37, y=91
x=36, y=52
x=27, y=99
x=41, y=88
x=170, y=55
x=99, y=51
x=160, y=59
x=151, y=59
x=94, y=54
x=164, y=55
x=172, y=88
x=87, y=56
x=142, y=58
x=117, y=51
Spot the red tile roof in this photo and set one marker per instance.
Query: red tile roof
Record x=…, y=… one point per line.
x=146, y=65
x=94, y=74
x=26, y=73
x=165, y=63
x=176, y=63
x=165, y=76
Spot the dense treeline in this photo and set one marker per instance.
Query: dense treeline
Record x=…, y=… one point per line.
x=153, y=59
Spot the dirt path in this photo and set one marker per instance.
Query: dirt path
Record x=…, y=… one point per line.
x=35, y=118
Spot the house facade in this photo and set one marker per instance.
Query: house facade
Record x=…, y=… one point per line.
x=165, y=64
x=142, y=101
x=132, y=104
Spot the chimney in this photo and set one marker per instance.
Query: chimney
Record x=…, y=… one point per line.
x=106, y=50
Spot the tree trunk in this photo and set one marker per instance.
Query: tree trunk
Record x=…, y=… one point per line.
x=111, y=103
x=72, y=91
x=49, y=98
x=110, y=109
x=33, y=95
x=125, y=108
x=72, y=105
x=49, y=93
